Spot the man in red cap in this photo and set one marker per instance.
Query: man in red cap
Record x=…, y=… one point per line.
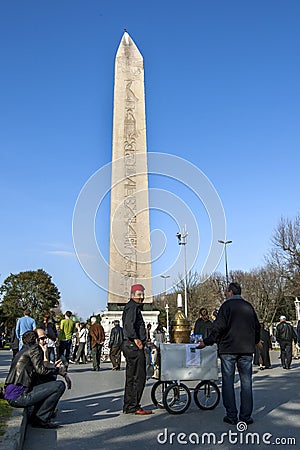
x=133, y=349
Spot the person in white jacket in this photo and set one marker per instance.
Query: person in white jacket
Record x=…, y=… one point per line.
x=83, y=335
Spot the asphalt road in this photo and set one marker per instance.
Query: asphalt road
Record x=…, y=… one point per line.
x=91, y=416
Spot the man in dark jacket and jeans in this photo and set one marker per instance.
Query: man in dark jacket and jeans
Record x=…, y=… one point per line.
x=21, y=388
x=285, y=334
x=133, y=349
x=237, y=331
x=115, y=344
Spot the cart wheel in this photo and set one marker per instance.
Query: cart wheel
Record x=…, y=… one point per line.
x=177, y=398
x=206, y=395
x=158, y=392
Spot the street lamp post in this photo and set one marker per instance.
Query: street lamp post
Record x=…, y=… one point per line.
x=297, y=306
x=165, y=277
x=167, y=314
x=182, y=240
x=225, y=243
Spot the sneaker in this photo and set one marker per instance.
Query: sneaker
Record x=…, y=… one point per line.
x=227, y=419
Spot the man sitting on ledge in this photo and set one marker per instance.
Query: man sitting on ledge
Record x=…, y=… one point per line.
x=22, y=390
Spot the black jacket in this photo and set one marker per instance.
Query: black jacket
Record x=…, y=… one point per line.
x=116, y=337
x=236, y=328
x=50, y=330
x=27, y=366
x=203, y=327
x=133, y=322
x=285, y=332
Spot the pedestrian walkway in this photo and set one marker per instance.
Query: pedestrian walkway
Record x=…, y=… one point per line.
x=91, y=416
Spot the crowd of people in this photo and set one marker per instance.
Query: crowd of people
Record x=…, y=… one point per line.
x=41, y=353
x=285, y=334
x=78, y=342
x=72, y=341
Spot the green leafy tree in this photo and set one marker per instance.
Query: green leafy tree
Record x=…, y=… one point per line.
x=30, y=290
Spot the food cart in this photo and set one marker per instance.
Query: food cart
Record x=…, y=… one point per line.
x=184, y=362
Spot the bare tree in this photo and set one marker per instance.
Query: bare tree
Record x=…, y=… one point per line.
x=285, y=256
x=265, y=289
x=202, y=292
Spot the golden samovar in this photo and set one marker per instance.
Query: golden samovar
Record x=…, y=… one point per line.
x=180, y=329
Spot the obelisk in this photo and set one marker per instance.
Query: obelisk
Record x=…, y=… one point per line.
x=130, y=257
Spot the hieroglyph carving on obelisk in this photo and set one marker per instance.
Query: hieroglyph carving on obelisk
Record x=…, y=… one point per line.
x=130, y=258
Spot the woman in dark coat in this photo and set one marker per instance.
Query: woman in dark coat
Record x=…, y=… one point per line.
x=14, y=342
x=51, y=333
x=262, y=356
x=203, y=325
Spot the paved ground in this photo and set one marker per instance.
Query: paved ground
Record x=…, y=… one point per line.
x=91, y=416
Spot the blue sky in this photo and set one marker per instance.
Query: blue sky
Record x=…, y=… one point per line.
x=222, y=92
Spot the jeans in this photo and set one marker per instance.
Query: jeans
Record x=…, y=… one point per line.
x=135, y=376
x=51, y=354
x=286, y=353
x=96, y=356
x=244, y=366
x=81, y=353
x=65, y=348
x=115, y=357
x=44, y=397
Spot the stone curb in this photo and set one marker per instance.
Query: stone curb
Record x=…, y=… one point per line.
x=14, y=436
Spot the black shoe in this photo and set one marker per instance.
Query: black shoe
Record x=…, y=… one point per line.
x=54, y=414
x=230, y=421
x=248, y=422
x=46, y=425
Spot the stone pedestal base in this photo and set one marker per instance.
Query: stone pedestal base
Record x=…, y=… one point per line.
x=108, y=317
x=107, y=321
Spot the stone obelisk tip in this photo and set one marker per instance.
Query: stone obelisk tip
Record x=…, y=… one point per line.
x=128, y=46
